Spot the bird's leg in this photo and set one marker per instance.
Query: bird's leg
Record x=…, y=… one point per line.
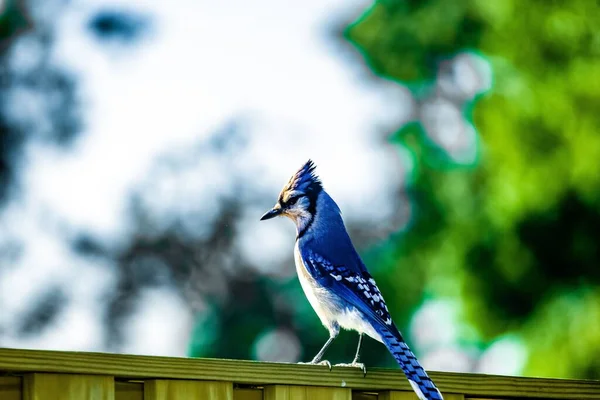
x=321, y=353
x=357, y=355
x=317, y=359
x=355, y=362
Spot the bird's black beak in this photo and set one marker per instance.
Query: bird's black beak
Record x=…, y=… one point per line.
x=271, y=213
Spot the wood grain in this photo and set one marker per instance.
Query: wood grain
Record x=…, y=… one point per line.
x=129, y=390
x=68, y=387
x=10, y=387
x=247, y=394
x=259, y=373
x=173, y=389
x=285, y=392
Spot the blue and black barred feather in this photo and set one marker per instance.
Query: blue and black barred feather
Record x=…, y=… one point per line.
x=417, y=377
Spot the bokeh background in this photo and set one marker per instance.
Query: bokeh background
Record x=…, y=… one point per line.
x=142, y=141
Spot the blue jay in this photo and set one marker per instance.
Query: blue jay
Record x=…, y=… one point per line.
x=335, y=280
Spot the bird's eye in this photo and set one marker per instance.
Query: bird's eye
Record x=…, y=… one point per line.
x=292, y=200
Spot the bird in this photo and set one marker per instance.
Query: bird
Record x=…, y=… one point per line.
x=336, y=281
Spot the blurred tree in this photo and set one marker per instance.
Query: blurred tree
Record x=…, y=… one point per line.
x=12, y=21
x=39, y=103
x=515, y=236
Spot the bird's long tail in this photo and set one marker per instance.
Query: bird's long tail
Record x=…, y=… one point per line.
x=417, y=377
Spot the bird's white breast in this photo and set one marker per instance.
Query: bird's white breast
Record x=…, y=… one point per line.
x=318, y=297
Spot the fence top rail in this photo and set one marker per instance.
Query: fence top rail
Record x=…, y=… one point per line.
x=123, y=366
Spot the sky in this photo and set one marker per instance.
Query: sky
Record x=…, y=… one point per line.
x=180, y=77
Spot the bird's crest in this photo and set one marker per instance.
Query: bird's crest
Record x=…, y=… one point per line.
x=304, y=181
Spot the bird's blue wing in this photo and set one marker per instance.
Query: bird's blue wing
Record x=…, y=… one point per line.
x=357, y=288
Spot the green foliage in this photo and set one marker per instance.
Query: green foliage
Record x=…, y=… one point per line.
x=515, y=238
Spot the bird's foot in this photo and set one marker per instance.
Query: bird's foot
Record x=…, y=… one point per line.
x=313, y=362
x=354, y=364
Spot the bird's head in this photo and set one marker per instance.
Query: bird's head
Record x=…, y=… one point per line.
x=298, y=198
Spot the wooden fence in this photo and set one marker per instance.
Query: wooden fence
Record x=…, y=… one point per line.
x=57, y=375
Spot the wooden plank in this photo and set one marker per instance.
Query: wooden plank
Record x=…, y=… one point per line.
x=172, y=389
x=68, y=387
x=396, y=395
x=285, y=392
x=10, y=387
x=247, y=394
x=129, y=391
x=260, y=373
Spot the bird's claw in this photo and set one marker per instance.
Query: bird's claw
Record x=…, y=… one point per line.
x=323, y=362
x=355, y=364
